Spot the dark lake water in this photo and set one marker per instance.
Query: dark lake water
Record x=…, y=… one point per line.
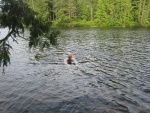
x=113, y=74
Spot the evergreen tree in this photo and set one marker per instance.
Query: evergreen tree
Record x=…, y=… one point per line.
x=83, y=11
x=123, y=12
x=39, y=6
x=15, y=16
x=141, y=12
x=101, y=13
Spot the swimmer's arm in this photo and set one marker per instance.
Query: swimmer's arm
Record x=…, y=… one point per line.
x=65, y=61
x=74, y=60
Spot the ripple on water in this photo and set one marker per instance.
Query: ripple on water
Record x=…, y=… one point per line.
x=112, y=75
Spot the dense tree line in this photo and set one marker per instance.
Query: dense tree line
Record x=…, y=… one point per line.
x=93, y=12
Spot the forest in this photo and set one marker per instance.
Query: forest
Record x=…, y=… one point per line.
x=95, y=13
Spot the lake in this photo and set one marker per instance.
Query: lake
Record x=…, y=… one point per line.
x=112, y=76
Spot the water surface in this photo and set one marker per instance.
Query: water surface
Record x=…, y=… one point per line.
x=113, y=74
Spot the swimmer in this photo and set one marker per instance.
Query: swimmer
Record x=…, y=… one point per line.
x=70, y=60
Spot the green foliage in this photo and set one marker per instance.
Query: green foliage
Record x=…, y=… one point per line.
x=39, y=6
x=16, y=15
x=101, y=12
x=4, y=53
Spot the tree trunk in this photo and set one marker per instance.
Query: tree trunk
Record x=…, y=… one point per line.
x=33, y=5
x=91, y=9
x=140, y=12
x=143, y=16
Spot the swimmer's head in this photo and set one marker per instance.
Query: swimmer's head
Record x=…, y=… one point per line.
x=69, y=55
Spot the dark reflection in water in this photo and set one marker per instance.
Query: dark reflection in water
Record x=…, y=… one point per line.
x=113, y=75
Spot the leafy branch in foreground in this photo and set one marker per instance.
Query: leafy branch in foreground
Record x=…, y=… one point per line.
x=16, y=15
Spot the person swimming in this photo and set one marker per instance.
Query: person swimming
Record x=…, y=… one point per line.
x=70, y=60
